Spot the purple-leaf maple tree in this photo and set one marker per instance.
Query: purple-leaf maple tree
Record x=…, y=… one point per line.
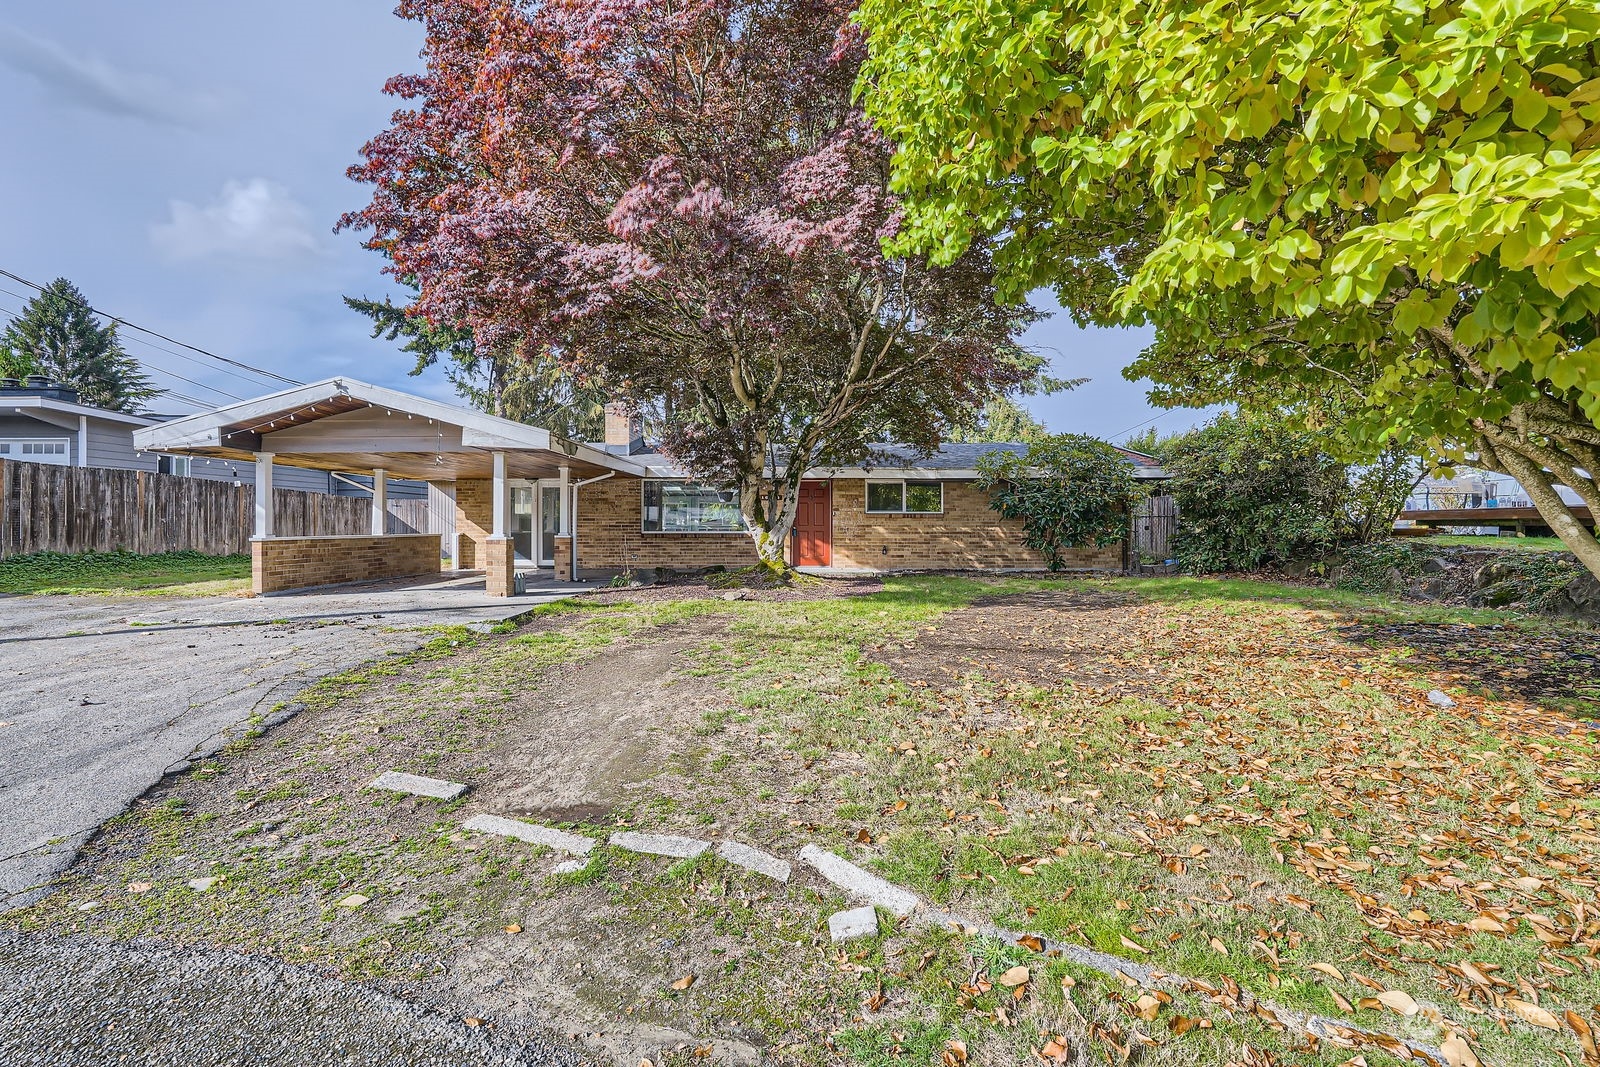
x=681, y=200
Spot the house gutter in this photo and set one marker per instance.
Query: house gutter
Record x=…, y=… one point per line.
x=572, y=541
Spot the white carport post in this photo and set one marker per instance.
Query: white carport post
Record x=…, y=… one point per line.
x=566, y=502
x=502, y=500
x=263, y=495
x=380, y=501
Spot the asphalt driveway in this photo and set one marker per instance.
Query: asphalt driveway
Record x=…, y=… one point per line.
x=99, y=697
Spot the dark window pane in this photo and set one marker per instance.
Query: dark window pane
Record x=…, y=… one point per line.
x=885, y=496
x=925, y=497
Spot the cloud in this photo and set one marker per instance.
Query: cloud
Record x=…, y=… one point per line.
x=250, y=220
x=92, y=83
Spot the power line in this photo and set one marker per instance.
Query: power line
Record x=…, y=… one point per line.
x=154, y=369
x=170, y=340
x=170, y=352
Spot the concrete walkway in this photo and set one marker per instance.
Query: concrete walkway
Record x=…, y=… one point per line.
x=100, y=696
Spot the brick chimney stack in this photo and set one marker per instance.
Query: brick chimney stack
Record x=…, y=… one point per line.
x=624, y=430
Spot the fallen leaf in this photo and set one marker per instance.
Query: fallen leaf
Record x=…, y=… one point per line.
x=1328, y=969
x=1458, y=1053
x=683, y=983
x=138, y=887
x=1218, y=947
x=514, y=928
x=472, y=1020
x=1591, y=1052
x=1015, y=976
x=1031, y=943
x=1147, y=1007
x=1486, y=924
x=1053, y=1050
x=1529, y=1012
x=1133, y=946
x=1398, y=1000
x=955, y=1053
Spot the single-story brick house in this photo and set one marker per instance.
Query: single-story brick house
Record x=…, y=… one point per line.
x=524, y=497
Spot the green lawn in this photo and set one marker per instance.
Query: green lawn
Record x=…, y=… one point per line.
x=1520, y=544
x=125, y=573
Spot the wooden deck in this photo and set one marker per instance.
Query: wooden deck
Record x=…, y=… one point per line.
x=1522, y=519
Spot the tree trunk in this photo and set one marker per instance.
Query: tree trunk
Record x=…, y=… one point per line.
x=769, y=529
x=1552, y=508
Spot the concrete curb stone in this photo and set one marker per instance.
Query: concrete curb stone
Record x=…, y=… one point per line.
x=753, y=859
x=418, y=785
x=532, y=833
x=659, y=844
x=857, y=882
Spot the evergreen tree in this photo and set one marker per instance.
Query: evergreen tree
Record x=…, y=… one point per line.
x=58, y=335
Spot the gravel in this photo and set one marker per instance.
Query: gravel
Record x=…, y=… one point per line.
x=84, y=1002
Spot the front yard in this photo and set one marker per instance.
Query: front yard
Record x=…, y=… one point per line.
x=1241, y=784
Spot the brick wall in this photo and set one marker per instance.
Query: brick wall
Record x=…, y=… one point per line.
x=283, y=563
x=968, y=536
x=474, y=521
x=610, y=538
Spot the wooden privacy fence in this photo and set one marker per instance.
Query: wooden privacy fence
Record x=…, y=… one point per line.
x=47, y=508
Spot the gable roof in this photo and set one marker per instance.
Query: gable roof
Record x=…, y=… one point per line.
x=26, y=403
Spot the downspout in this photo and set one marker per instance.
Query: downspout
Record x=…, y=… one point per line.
x=83, y=440
x=572, y=539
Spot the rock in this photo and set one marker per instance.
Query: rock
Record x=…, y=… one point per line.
x=857, y=922
x=753, y=859
x=1492, y=573
x=1581, y=597
x=857, y=882
x=1434, y=565
x=734, y=595
x=418, y=785
x=659, y=844
x=354, y=900
x=569, y=867
x=1440, y=699
x=202, y=885
x=532, y=833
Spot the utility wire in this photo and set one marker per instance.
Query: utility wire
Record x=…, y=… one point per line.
x=170, y=340
x=154, y=369
x=170, y=352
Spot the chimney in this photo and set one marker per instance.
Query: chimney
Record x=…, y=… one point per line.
x=624, y=430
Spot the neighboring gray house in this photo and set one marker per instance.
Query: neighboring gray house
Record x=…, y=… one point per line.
x=43, y=422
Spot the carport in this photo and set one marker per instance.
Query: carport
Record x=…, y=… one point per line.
x=469, y=458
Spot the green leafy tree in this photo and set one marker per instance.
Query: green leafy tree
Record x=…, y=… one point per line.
x=1068, y=490
x=1002, y=419
x=1397, y=199
x=58, y=335
x=536, y=390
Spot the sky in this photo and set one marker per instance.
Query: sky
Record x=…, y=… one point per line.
x=183, y=164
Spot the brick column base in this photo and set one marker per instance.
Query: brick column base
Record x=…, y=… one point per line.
x=500, y=567
x=563, y=561
x=467, y=554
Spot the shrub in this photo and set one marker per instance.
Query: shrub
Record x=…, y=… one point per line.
x=1255, y=491
x=1068, y=490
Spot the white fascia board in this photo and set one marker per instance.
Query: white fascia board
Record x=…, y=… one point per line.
x=478, y=430
x=38, y=404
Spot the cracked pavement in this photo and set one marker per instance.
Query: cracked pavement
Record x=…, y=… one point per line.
x=99, y=697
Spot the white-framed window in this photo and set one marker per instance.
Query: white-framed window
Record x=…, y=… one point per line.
x=57, y=451
x=178, y=465
x=905, y=498
x=684, y=507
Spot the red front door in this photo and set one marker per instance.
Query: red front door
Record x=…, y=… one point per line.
x=813, y=525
